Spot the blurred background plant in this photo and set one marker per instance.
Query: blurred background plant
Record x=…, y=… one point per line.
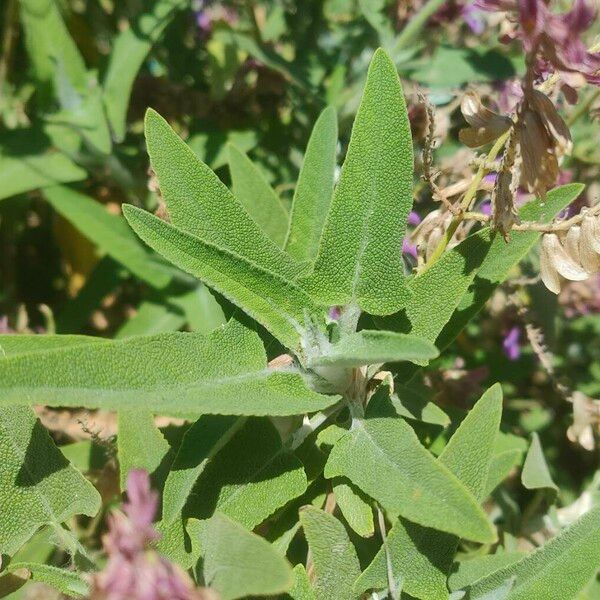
x=76, y=77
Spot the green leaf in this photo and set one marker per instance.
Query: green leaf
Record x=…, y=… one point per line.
x=36, y=481
x=419, y=555
x=141, y=445
x=152, y=317
x=470, y=450
x=201, y=205
x=414, y=403
x=334, y=558
x=374, y=347
x=129, y=52
x=471, y=570
x=68, y=583
x=110, y=233
x=500, y=467
x=200, y=444
x=301, y=589
x=224, y=372
x=384, y=458
x=210, y=143
x=500, y=259
x=423, y=556
x=559, y=569
x=251, y=188
x=356, y=510
x=24, y=173
x=249, y=478
x=277, y=303
x=237, y=563
x=360, y=258
x=314, y=189
x=535, y=474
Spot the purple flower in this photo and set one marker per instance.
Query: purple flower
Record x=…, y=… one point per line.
x=408, y=248
x=134, y=570
x=413, y=218
x=511, y=343
x=556, y=37
x=473, y=17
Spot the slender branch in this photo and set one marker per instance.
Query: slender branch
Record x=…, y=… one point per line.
x=414, y=26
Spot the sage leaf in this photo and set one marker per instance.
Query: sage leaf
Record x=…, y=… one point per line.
x=471, y=570
x=384, y=458
x=334, y=558
x=69, y=583
x=535, y=474
x=371, y=203
x=566, y=563
x=312, y=197
x=237, y=563
x=36, y=481
x=201, y=205
x=375, y=347
x=276, y=303
x=260, y=200
x=356, y=510
x=173, y=373
x=301, y=589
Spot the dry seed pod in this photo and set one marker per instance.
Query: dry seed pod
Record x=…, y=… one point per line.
x=571, y=243
x=590, y=232
x=555, y=261
x=486, y=125
x=548, y=271
x=589, y=259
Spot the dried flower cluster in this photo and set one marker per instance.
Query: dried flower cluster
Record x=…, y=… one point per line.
x=135, y=571
x=574, y=254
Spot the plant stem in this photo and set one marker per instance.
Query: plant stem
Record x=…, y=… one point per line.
x=467, y=200
x=414, y=26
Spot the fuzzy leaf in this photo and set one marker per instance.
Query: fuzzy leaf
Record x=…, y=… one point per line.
x=314, y=189
x=278, y=304
x=177, y=373
x=356, y=510
x=383, y=456
x=200, y=444
x=535, y=474
x=502, y=257
x=414, y=403
x=237, y=563
x=110, y=233
x=68, y=583
x=247, y=474
x=251, y=188
x=559, y=569
x=301, y=589
x=375, y=347
x=141, y=445
x=360, y=254
x=335, y=562
x=471, y=570
x=201, y=205
x=423, y=556
x=38, y=486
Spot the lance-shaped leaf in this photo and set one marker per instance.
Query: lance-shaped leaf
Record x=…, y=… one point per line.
x=200, y=204
x=375, y=347
x=471, y=570
x=301, y=590
x=501, y=258
x=110, y=233
x=334, y=558
x=249, y=478
x=383, y=456
x=278, y=304
x=200, y=444
x=423, y=556
x=356, y=509
x=559, y=569
x=260, y=200
x=237, y=563
x=69, y=583
x=38, y=486
x=177, y=373
x=360, y=255
x=314, y=189
x=128, y=53
x=535, y=474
